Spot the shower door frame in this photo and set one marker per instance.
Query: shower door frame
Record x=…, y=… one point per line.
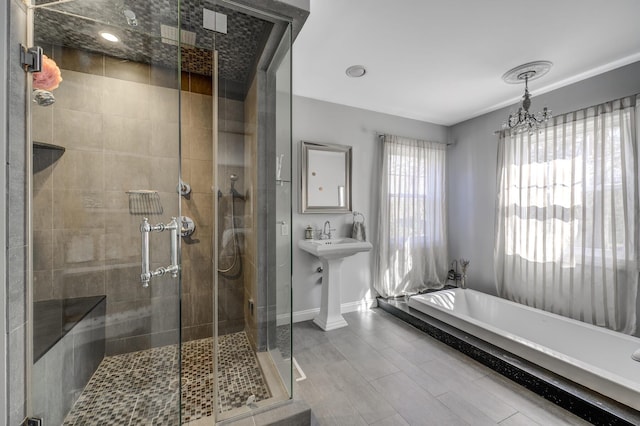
x=4, y=64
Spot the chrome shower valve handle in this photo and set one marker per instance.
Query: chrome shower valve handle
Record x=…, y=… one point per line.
x=187, y=227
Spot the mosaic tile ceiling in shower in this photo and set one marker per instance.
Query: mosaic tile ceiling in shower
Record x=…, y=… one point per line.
x=141, y=388
x=76, y=24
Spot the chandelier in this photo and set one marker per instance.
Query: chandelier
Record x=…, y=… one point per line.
x=523, y=120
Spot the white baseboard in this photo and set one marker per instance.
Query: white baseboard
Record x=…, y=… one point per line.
x=310, y=314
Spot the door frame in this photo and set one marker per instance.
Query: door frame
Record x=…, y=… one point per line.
x=4, y=23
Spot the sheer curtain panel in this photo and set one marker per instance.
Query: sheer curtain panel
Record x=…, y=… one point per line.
x=412, y=241
x=567, y=216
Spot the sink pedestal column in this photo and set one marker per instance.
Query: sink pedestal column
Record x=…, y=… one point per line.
x=330, y=316
x=331, y=253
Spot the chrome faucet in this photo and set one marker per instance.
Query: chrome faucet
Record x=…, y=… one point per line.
x=326, y=231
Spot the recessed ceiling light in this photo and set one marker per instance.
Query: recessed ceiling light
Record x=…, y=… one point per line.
x=356, y=71
x=109, y=36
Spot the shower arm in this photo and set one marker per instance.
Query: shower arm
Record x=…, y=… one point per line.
x=145, y=229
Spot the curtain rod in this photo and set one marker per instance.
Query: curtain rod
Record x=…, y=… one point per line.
x=633, y=98
x=381, y=134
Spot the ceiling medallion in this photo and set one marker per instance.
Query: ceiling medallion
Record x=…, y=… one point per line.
x=523, y=120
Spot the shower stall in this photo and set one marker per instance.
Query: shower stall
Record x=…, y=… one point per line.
x=160, y=272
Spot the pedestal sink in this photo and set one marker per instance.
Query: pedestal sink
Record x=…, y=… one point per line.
x=331, y=253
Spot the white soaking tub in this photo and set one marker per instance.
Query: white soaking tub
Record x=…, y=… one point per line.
x=594, y=357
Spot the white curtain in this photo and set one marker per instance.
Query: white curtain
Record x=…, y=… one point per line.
x=567, y=216
x=412, y=241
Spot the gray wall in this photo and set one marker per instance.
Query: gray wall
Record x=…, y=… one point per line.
x=471, y=179
x=15, y=237
x=319, y=121
x=472, y=162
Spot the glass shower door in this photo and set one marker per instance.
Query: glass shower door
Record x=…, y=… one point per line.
x=105, y=214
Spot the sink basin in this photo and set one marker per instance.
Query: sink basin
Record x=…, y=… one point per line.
x=332, y=252
x=334, y=248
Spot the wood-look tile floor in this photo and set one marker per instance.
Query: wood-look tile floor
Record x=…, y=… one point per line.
x=381, y=371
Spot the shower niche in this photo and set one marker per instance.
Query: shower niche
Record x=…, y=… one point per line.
x=138, y=117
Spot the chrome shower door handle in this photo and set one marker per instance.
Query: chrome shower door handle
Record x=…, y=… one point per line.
x=173, y=268
x=145, y=275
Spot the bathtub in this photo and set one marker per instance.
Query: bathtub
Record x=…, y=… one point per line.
x=596, y=358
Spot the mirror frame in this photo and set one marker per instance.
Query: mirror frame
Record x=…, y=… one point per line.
x=305, y=148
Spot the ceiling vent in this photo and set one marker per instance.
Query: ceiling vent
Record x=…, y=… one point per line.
x=170, y=36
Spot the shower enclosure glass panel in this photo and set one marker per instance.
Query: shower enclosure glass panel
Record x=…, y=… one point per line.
x=106, y=155
x=280, y=343
x=251, y=371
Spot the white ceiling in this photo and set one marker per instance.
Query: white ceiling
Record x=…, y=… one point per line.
x=442, y=60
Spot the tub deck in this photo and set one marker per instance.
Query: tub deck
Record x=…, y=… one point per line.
x=578, y=399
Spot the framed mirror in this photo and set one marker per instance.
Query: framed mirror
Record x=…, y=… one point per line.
x=325, y=177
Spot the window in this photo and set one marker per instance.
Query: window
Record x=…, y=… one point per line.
x=566, y=219
x=412, y=245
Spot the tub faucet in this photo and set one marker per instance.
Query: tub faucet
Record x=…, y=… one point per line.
x=326, y=231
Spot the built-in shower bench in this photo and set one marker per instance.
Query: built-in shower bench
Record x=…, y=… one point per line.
x=68, y=346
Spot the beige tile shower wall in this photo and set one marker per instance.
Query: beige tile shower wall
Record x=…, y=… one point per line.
x=197, y=265
x=251, y=182
x=119, y=135
x=230, y=160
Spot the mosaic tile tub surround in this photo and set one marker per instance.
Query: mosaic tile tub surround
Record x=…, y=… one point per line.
x=142, y=387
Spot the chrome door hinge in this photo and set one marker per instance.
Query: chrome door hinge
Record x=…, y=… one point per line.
x=31, y=58
x=33, y=421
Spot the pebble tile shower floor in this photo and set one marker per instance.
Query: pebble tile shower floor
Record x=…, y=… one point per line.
x=142, y=387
